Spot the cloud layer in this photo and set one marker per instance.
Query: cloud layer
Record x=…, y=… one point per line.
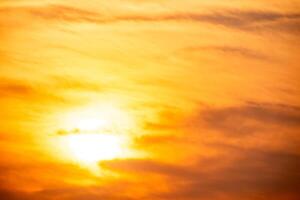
x=209, y=91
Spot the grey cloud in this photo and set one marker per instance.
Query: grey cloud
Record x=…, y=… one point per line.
x=146, y=166
x=14, y=195
x=71, y=193
x=240, y=174
x=233, y=50
x=236, y=19
x=248, y=172
x=248, y=118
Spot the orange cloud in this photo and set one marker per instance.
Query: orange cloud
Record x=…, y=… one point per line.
x=208, y=89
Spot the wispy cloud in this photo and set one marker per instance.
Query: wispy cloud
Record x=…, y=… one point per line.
x=194, y=137
x=73, y=83
x=242, y=173
x=231, y=50
x=14, y=88
x=250, y=20
x=17, y=89
x=248, y=118
x=249, y=171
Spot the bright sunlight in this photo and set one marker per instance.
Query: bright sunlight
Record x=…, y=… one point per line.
x=90, y=148
x=95, y=133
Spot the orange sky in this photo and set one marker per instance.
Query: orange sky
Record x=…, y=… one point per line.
x=149, y=100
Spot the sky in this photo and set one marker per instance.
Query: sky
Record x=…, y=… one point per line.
x=149, y=100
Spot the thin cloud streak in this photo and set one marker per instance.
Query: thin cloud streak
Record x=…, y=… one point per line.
x=248, y=20
x=231, y=50
x=249, y=118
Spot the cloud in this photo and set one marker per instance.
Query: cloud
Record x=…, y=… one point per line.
x=71, y=193
x=47, y=173
x=54, y=12
x=248, y=172
x=77, y=84
x=238, y=173
x=32, y=179
x=57, y=87
x=248, y=118
x=78, y=193
x=10, y=88
x=16, y=89
x=35, y=180
x=146, y=140
x=231, y=50
x=250, y=20
x=253, y=172
x=13, y=195
x=138, y=166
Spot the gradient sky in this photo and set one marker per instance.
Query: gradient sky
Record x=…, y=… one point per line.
x=204, y=94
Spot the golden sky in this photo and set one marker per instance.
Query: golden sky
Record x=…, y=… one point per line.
x=149, y=99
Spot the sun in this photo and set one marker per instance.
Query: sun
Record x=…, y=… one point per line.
x=91, y=148
x=89, y=135
x=96, y=133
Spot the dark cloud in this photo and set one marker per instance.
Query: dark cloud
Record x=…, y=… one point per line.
x=248, y=118
x=50, y=181
x=16, y=88
x=236, y=174
x=241, y=172
x=79, y=193
x=147, y=140
x=39, y=173
x=231, y=50
x=10, y=88
x=55, y=12
x=291, y=26
x=14, y=195
x=139, y=166
x=248, y=19
x=26, y=90
x=57, y=181
x=237, y=19
x=252, y=173
x=71, y=193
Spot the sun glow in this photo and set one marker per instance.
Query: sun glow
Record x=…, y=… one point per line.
x=95, y=133
x=90, y=148
x=96, y=118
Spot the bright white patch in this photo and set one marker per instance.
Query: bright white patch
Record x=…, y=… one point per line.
x=90, y=148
